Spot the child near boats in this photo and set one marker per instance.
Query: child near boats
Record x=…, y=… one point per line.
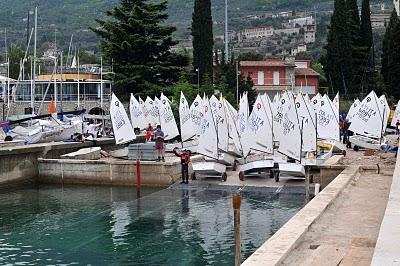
x=159, y=138
x=185, y=160
x=149, y=132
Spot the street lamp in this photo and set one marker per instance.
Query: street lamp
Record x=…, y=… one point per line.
x=198, y=80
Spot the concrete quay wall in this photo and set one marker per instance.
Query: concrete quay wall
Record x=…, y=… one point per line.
x=109, y=172
x=277, y=248
x=20, y=164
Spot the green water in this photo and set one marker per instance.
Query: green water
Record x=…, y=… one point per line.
x=54, y=225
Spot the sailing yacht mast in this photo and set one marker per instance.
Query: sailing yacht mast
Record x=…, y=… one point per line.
x=34, y=66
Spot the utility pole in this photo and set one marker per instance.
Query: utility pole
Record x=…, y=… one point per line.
x=226, y=33
x=5, y=42
x=237, y=82
x=101, y=82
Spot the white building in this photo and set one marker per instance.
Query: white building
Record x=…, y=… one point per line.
x=259, y=32
x=380, y=20
x=397, y=6
x=309, y=20
x=309, y=33
x=300, y=48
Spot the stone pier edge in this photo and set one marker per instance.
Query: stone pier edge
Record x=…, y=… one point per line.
x=387, y=249
x=275, y=250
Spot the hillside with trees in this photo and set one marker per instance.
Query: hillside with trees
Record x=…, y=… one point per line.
x=62, y=18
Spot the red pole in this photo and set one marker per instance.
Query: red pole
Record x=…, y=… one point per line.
x=138, y=175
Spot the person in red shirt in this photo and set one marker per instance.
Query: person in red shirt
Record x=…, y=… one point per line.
x=149, y=132
x=185, y=160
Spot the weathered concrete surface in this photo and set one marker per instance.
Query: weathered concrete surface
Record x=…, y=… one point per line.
x=329, y=170
x=387, y=251
x=276, y=249
x=109, y=172
x=347, y=231
x=19, y=164
x=93, y=153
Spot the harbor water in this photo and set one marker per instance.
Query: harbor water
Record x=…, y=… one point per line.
x=183, y=225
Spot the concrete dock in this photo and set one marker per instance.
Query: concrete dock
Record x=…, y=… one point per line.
x=109, y=171
x=340, y=226
x=20, y=164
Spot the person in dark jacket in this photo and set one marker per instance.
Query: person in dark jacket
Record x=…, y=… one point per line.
x=185, y=160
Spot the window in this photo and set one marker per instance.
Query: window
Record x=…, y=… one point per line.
x=260, y=78
x=276, y=78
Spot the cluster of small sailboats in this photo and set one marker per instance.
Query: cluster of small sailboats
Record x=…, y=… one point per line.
x=31, y=129
x=284, y=134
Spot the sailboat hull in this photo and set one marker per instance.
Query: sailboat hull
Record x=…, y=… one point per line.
x=225, y=159
x=366, y=142
x=208, y=168
x=293, y=169
x=255, y=166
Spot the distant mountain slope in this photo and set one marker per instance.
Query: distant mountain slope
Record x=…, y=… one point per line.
x=75, y=16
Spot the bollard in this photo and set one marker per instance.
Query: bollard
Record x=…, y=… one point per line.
x=138, y=175
x=317, y=189
x=236, y=202
x=307, y=184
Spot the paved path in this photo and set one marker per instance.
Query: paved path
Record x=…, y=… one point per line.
x=347, y=232
x=387, y=251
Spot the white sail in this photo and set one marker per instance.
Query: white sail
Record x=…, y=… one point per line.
x=242, y=123
x=316, y=102
x=268, y=108
x=151, y=112
x=167, y=119
x=259, y=127
x=368, y=121
x=208, y=143
x=220, y=121
x=289, y=135
x=307, y=123
x=188, y=130
x=353, y=110
x=336, y=103
x=328, y=120
x=396, y=116
x=197, y=114
x=73, y=64
x=122, y=127
x=233, y=132
x=137, y=115
x=384, y=110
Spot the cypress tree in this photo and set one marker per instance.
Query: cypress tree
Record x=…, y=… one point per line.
x=391, y=56
x=366, y=27
x=138, y=43
x=367, y=40
x=338, y=49
x=357, y=51
x=203, y=41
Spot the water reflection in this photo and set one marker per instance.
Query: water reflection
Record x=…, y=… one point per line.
x=98, y=225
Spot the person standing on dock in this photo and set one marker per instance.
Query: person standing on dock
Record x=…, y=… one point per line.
x=159, y=138
x=149, y=132
x=185, y=160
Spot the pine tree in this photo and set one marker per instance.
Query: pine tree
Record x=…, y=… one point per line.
x=138, y=43
x=203, y=41
x=338, y=48
x=391, y=56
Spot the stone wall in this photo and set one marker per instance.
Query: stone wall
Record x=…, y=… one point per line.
x=20, y=164
x=107, y=172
